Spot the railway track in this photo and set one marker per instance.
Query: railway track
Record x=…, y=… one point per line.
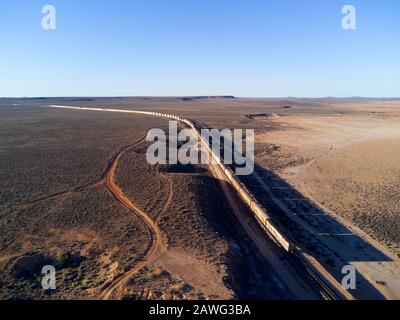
x=326, y=291
x=294, y=258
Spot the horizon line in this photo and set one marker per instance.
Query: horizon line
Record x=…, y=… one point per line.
x=198, y=96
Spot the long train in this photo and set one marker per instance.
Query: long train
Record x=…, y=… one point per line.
x=258, y=211
x=255, y=207
x=296, y=258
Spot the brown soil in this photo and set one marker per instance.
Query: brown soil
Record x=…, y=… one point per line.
x=90, y=210
x=330, y=167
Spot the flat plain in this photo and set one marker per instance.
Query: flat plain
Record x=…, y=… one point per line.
x=60, y=172
x=327, y=170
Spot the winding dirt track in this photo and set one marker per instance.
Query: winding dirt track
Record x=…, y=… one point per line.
x=293, y=281
x=90, y=184
x=156, y=246
x=170, y=195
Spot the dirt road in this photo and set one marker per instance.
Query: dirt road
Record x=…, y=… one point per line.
x=156, y=245
x=298, y=283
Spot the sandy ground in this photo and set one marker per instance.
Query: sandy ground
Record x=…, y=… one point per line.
x=76, y=196
x=330, y=165
x=349, y=166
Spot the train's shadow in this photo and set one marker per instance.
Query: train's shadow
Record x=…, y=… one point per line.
x=314, y=230
x=250, y=275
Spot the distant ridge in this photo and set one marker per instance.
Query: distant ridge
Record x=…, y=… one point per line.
x=192, y=98
x=207, y=97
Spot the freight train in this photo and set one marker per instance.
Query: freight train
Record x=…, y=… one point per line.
x=255, y=207
x=259, y=212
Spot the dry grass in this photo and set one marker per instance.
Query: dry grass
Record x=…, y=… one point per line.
x=343, y=154
x=361, y=183
x=193, y=221
x=49, y=154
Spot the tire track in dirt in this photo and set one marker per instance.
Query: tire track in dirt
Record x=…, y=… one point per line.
x=157, y=248
x=90, y=184
x=156, y=245
x=62, y=193
x=170, y=195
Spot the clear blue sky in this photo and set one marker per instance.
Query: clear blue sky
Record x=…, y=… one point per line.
x=268, y=48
